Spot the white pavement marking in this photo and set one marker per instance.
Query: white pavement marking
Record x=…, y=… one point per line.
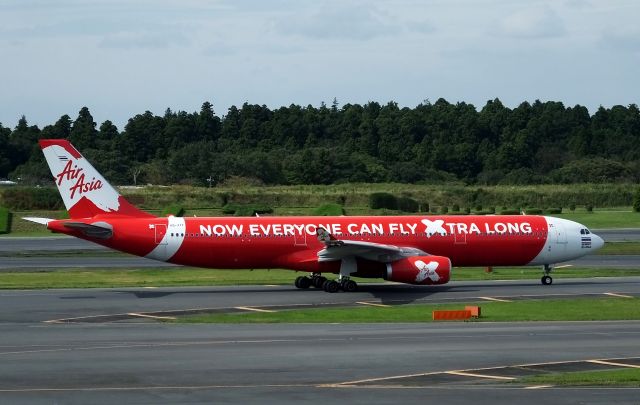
x=254, y=309
x=611, y=363
x=562, y=267
x=537, y=387
x=494, y=299
x=493, y=377
x=618, y=295
x=373, y=304
x=170, y=318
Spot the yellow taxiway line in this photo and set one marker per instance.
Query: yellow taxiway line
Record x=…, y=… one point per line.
x=254, y=309
x=494, y=299
x=618, y=295
x=611, y=363
x=168, y=318
x=373, y=304
x=493, y=377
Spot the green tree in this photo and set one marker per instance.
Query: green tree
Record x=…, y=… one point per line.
x=83, y=133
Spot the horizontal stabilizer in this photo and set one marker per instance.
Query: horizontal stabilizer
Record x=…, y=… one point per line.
x=42, y=221
x=99, y=230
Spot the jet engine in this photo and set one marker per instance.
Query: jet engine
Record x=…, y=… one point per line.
x=424, y=270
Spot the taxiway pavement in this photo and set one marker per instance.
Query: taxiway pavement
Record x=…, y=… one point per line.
x=27, y=306
x=160, y=363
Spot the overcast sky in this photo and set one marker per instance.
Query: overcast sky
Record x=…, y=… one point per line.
x=122, y=57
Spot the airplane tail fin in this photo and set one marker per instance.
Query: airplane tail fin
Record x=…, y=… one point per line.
x=84, y=191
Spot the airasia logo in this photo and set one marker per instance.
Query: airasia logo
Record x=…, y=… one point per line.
x=72, y=172
x=426, y=270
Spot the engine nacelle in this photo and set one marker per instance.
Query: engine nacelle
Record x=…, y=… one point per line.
x=424, y=270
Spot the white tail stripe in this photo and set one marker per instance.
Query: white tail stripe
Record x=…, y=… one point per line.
x=169, y=245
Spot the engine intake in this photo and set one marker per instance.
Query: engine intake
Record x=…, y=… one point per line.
x=422, y=270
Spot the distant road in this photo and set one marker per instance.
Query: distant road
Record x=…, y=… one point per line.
x=619, y=235
x=21, y=244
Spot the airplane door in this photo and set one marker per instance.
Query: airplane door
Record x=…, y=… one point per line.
x=460, y=238
x=300, y=239
x=160, y=232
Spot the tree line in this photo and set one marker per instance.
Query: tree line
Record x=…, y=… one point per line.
x=441, y=142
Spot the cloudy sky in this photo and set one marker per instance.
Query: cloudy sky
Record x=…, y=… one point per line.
x=122, y=57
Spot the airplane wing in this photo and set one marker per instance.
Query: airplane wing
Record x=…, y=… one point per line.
x=336, y=249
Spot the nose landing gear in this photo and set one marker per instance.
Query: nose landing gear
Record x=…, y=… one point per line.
x=546, y=278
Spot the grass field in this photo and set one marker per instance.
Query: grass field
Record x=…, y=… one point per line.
x=549, y=310
x=620, y=378
x=186, y=276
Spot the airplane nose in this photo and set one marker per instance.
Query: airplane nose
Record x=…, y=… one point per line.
x=596, y=242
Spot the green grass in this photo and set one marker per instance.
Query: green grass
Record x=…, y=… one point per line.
x=188, y=276
x=157, y=277
x=5, y=220
x=621, y=378
x=550, y=310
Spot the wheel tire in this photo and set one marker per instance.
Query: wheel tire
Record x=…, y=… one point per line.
x=349, y=286
x=331, y=286
x=297, y=282
x=305, y=282
x=318, y=282
x=546, y=280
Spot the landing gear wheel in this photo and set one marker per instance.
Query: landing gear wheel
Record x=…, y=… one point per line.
x=349, y=286
x=546, y=280
x=318, y=282
x=331, y=286
x=303, y=282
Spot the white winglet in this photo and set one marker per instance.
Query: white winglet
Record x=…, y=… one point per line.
x=42, y=221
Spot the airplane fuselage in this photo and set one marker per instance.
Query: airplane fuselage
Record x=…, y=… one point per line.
x=291, y=242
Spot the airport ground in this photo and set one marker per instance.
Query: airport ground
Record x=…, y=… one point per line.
x=107, y=345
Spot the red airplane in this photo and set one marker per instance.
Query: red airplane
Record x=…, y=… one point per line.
x=408, y=249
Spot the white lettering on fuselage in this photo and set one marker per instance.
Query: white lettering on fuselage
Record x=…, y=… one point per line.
x=431, y=228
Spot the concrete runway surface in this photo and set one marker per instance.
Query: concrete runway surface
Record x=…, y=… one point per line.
x=139, y=360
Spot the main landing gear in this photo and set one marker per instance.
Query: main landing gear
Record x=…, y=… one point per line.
x=316, y=280
x=546, y=278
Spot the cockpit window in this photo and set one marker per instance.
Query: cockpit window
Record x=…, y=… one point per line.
x=584, y=232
